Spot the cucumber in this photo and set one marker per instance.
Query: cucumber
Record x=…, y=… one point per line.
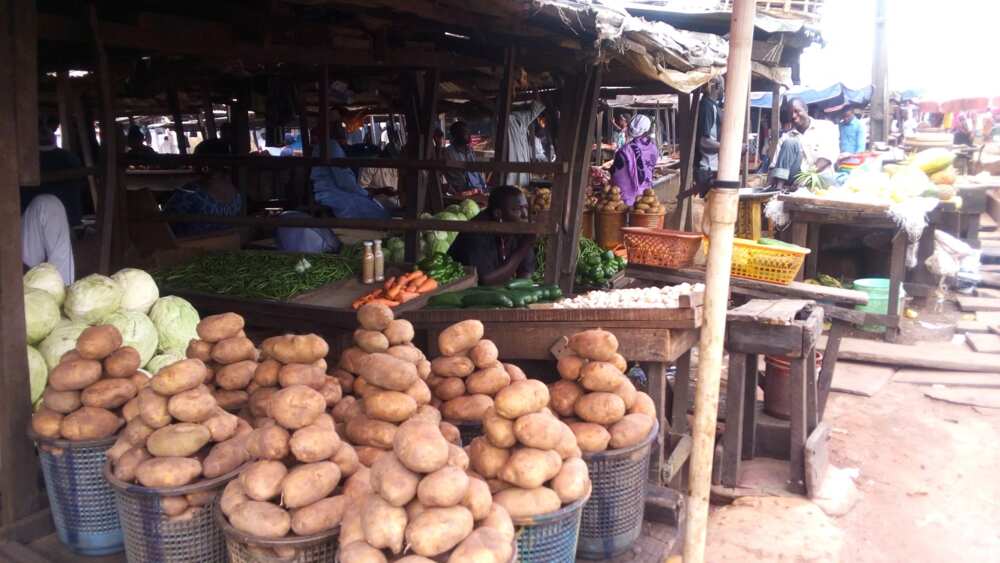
x=487, y=300
x=520, y=283
x=450, y=300
x=777, y=243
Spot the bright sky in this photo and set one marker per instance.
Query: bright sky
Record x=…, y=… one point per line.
x=945, y=48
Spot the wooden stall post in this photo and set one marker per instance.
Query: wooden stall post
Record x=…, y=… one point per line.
x=175, y=114
x=506, y=96
x=429, y=185
x=210, y=128
x=24, y=27
x=64, y=95
x=688, y=130
x=84, y=134
x=107, y=210
x=571, y=102
x=722, y=209
x=324, y=112
x=775, y=133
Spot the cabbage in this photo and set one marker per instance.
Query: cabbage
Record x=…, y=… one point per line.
x=46, y=277
x=38, y=374
x=450, y=216
x=175, y=321
x=137, y=331
x=469, y=208
x=62, y=339
x=41, y=313
x=140, y=291
x=455, y=209
x=161, y=361
x=440, y=246
x=92, y=299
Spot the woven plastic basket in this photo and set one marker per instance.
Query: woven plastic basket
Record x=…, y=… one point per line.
x=245, y=548
x=587, y=228
x=648, y=220
x=549, y=538
x=151, y=535
x=661, y=247
x=609, y=229
x=612, y=518
x=775, y=264
x=82, y=503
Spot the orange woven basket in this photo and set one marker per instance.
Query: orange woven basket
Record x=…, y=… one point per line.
x=661, y=247
x=587, y=229
x=648, y=220
x=609, y=229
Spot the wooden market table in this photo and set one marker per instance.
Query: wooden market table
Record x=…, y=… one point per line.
x=655, y=338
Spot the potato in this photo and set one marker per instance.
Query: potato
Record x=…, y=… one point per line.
x=374, y=316
x=443, y=488
x=362, y=388
x=172, y=506
x=365, y=431
x=266, y=373
x=130, y=409
x=423, y=369
x=626, y=390
x=427, y=413
x=370, y=341
x=270, y=442
x=498, y=430
x=98, y=342
x=437, y=530
x=346, y=408
x=215, y=328
x=262, y=479
x=232, y=496
x=162, y=472
x=236, y=376
x=388, y=372
x=140, y=379
x=221, y=425
x=460, y=337
x=136, y=432
x=74, y=375
x=448, y=388
x=477, y=498
x=414, y=559
x=515, y=373
x=225, y=457
x=295, y=349
x=420, y=446
x=600, y=376
x=521, y=398
x=193, y=405
x=497, y=485
x=573, y=480
x=487, y=381
x=643, y=405
x=484, y=353
x=619, y=362
x=243, y=428
x=308, y=483
x=320, y=516
x=122, y=362
x=457, y=457
x=499, y=519
x=452, y=366
x=301, y=374
x=391, y=406
x=70, y=355
x=570, y=366
x=200, y=498
x=450, y=433
x=314, y=443
x=630, y=430
x=234, y=349
x=600, y=408
x=485, y=545
x=595, y=344
x=467, y=408
x=406, y=352
x=199, y=350
x=296, y=406
x=590, y=437
x=261, y=519
x=350, y=359
x=564, y=395
x=153, y=408
x=529, y=467
x=46, y=423
x=359, y=486
x=399, y=331
x=178, y=440
x=523, y=503
x=393, y=481
x=231, y=400
x=260, y=400
x=62, y=402
x=89, y=423
x=359, y=551
x=179, y=376
x=118, y=449
x=128, y=463
x=538, y=430
x=384, y=525
x=346, y=459
x=567, y=446
x=345, y=379
x=486, y=459
x=420, y=392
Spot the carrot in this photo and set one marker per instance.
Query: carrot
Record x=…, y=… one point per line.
x=430, y=284
x=389, y=282
x=406, y=278
x=418, y=279
x=386, y=302
x=407, y=295
x=394, y=291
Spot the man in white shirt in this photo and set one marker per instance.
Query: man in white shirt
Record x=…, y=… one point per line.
x=810, y=145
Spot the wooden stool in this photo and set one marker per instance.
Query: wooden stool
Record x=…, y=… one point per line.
x=781, y=327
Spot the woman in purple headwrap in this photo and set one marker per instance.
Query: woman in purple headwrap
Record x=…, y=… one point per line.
x=634, y=161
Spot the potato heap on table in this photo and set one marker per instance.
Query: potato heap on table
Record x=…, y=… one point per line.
x=601, y=404
x=423, y=502
x=85, y=393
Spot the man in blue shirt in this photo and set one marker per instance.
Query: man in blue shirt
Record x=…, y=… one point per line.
x=852, y=133
x=337, y=187
x=460, y=149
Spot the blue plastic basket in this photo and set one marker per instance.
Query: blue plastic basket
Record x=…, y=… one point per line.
x=549, y=538
x=82, y=504
x=612, y=518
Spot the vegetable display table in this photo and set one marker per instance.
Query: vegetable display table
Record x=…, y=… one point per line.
x=653, y=337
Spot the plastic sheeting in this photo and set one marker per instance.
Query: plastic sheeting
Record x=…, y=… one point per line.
x=862, y=96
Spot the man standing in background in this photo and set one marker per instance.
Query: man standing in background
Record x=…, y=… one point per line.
x=852, y=133
x=709, y=129
x=517, y=141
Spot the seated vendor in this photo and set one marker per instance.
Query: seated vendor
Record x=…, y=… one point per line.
x=213, y=193
x=498, y=258
x=811, y=145
x=337, y=187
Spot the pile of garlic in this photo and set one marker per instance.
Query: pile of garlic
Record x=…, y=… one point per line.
x=666, y=297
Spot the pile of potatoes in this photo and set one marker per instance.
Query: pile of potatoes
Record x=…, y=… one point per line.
x=468, y=374
x=611, y=201
x=594, y=396
x=85, y=393
x=648, y=203
x=421, y=499
x=528, y=457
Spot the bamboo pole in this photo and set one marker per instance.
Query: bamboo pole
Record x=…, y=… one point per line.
x=722, y=207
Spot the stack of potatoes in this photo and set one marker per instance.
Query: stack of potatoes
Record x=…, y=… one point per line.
x=468, y=374
x=648, y=203
x=423, y=499
x=529, y=458
x=602, y=406
x=611, y=201
x=85, y=393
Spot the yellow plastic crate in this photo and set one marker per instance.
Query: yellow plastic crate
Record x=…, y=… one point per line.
x=774, y=264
